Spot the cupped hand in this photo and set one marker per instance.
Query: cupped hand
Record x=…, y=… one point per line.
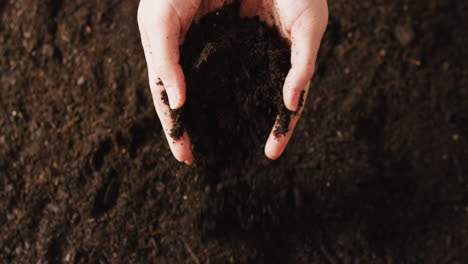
x=302, y=23
x=163, y=24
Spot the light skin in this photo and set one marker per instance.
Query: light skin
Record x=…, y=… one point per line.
x=164, y=23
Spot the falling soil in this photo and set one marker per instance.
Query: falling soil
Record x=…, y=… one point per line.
x=376, y=171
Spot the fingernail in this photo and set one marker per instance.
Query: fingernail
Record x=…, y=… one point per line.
x=188, y=162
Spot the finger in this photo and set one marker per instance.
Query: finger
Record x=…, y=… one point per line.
x=163, y=29
x=306, y=35
x=276, y=143
x=180, y=148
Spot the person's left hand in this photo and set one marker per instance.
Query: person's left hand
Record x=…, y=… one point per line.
x=302, y=23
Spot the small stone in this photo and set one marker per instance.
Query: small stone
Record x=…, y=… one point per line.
x=88, y=30
x=9, y=188
x=404, y=34
x=52, y=207
x=48, y=50
x=10, y=217
x=81, y=80
x=339, y=134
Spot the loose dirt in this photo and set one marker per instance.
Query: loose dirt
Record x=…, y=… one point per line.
x=376, y=171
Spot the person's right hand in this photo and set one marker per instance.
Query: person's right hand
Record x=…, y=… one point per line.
x=163, y=24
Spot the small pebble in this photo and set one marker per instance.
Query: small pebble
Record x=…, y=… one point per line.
x=81, y=80
x=88, y=30
x=52, y=207
x=48, y=50
x=9, y=188
x=404, y=34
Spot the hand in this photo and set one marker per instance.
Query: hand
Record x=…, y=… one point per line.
x=302, y=23
x=163, y=24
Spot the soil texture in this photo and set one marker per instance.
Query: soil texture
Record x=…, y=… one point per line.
x=376, y=172
x=235, y=69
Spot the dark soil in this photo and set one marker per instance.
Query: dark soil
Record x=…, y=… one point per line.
x=376, y=172
x=235, y=74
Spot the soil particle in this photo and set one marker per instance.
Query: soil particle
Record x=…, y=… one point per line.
x=178, y=128
x=405, y=34
x=301, y=100
x=159, y=82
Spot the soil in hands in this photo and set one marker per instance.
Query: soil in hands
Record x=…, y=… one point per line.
x=376, y=171
x=235, y=70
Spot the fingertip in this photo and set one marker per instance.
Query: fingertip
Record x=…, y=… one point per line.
x=291, y=102
x=272, y=150
x=176, y=101
x=272, y=156
x=181, y=148
x=185, y=157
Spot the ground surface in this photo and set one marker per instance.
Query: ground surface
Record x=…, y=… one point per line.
x=377, y=171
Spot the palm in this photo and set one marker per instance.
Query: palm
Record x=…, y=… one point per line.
x=163, y=24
